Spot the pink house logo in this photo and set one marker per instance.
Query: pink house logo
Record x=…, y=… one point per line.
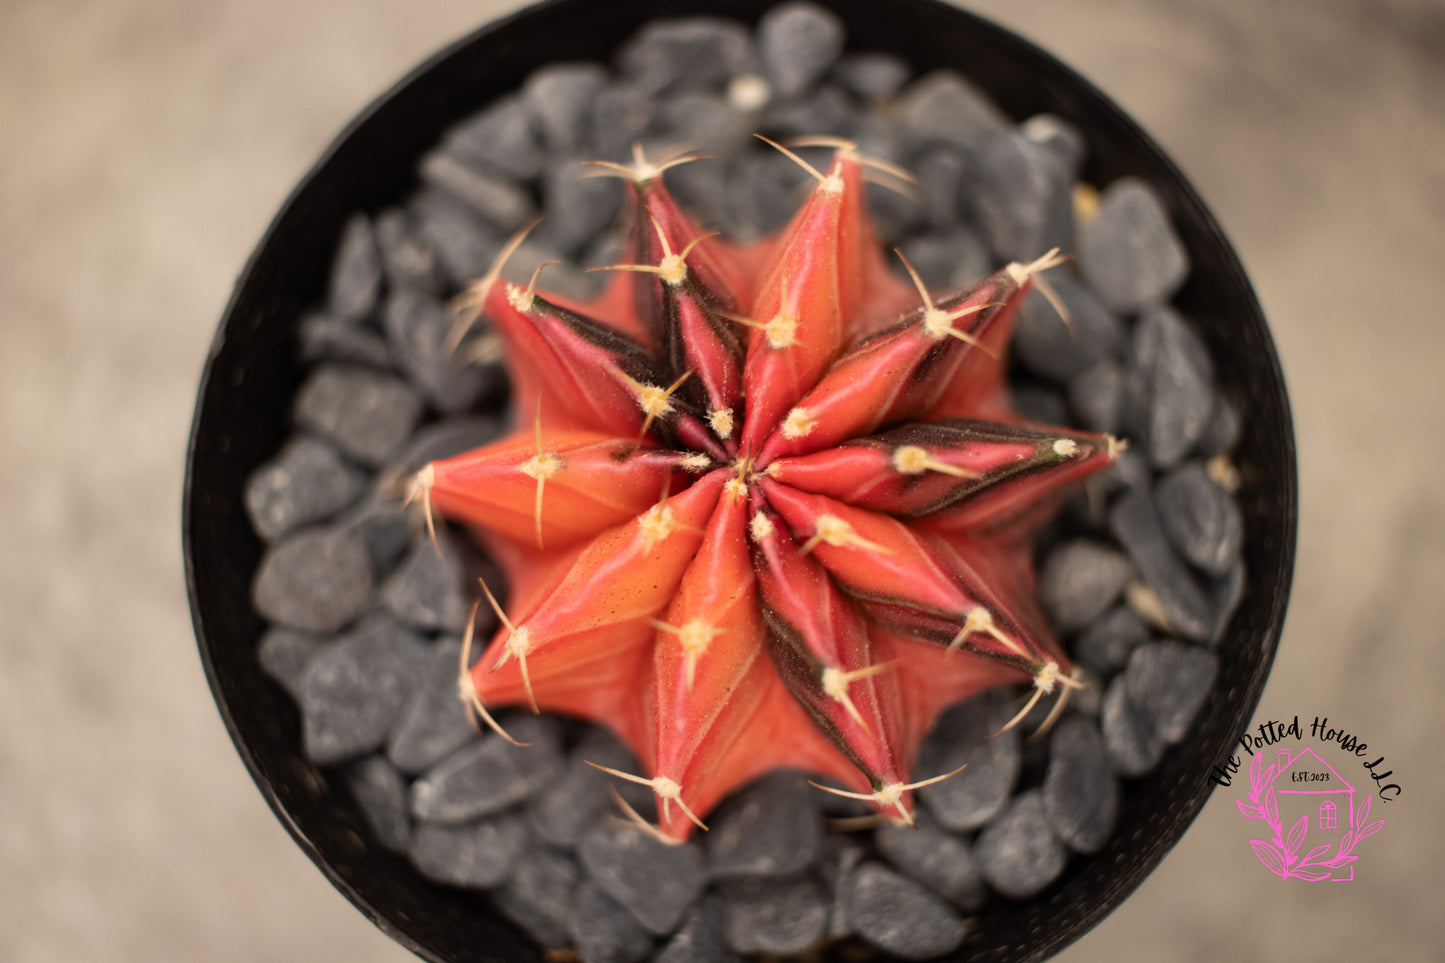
x=1301, y=790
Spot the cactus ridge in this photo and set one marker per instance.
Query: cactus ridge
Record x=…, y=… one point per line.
x=766, y=506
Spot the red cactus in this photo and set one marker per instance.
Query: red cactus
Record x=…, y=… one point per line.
x=755, y=517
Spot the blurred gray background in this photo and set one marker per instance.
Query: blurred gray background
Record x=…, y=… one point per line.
x=144, y=145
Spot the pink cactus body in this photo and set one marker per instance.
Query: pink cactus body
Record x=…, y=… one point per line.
x=764, y=508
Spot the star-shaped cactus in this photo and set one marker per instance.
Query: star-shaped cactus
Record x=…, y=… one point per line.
x=765, y=506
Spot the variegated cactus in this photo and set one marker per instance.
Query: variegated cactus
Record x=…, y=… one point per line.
x=765, y=506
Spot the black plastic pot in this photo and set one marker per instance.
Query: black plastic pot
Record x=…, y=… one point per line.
x=253, y=373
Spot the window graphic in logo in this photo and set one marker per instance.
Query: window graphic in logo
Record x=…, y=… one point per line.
x=1326, y=824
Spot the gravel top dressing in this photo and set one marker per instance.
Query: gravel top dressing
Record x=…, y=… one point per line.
x=1139, y=574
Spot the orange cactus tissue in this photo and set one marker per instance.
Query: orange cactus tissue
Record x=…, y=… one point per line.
x=764, y=506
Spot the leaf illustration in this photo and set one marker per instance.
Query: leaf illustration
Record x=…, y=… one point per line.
x=1314, y=854
x=1256, y=773
x=1369, y=830
x=1269, y=774
x=1296, y=836
x=1347, y=843
x=1267, y=854
x=1313, y=875
x=1339, y=861
x=1250, y=812
x=1363, y=812
x=1271, y=807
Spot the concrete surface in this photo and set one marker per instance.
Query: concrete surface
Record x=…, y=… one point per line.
x=146, y=144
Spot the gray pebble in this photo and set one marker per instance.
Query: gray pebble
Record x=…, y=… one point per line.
x=878, y=137
x=383, y=524
x=1039, y=403
x=761, y=191
x=324, y=338
x=284, y=654
x=1049, y=347
x=482, y=853
x=1061, y=138
x=771, y=828
x=1022, y=198
x=1169, y=681
x=496, y=200
x=560, y=277
x=498, y=138
x=1080, y=579
x=1097, y=395
x=538, y=896
x=871, y=76
x=1134, y=521
x=1178, y=378
x=353, y=691
x=429, y=590
x=603, y=932
x=464, y=247
x=1104, y=647
x=1130, y=471
x=940, y=861
x=702, y=190
x=657, y=882
x=317, y=580
x=417, y=326
x=690, y=53
x=406, y=256
x=940, y=174
x=1132, y=745
x=490, y=774
x=1201, y=519
x=943, y=107
x=900, y=917
x=381, y=793
x=895, y=216
x=799, y=42
x=824, y=110
x=948, y=261
x=1129, y=253
x=621, y=115
x=1221, y=434
x=1018, y=853
x=445, y=439
x=355, y=271
x=700, y=939
x=841, y=856
x=1089, y=700
x=1136, y=403
x=559, y=98
x=782, y=917
x=609, y=249
x=573, y=803
x=434, y=723
x=1080, y=795
x=961, y=737
x=711, y=124
x=578, y=208
x=366, y=413
x=1035, y=752
x=307, y=482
